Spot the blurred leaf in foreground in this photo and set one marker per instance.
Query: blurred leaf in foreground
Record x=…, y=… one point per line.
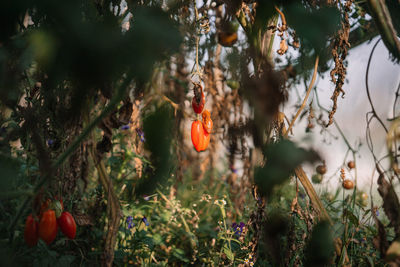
x=320, y=248
x=281, y=160
x=158, y=133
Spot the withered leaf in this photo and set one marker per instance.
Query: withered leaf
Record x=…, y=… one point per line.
x=391, y=204
x=82, y=219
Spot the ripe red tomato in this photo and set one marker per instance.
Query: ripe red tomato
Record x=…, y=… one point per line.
x=207, y=122
x=31, y=234
x=48, y=226
x=200, y=137
x=67, y=224
x=198, y=100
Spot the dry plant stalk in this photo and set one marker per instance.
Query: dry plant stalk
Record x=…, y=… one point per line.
x=339, y=53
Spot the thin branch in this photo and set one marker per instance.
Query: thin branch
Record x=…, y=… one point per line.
x=305, y=98
x=282, y=16
x=367, y=87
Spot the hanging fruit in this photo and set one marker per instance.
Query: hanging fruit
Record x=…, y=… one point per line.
x=31, y=234
x=67, y=224
x=227, y=39
x=207, y=122
x=317, y=178
x=200, y=137
x=227, y=33
x=48, y=226
x=198, y=100
x=321, y=169
x=351, y=165
x=348, y=184
x=362, y=198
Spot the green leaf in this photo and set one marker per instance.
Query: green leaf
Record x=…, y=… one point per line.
x=353, y=218
x=180, y=254
x=228, y=253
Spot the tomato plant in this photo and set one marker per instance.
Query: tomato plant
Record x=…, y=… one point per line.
x=67, y=224
x=48, y=226
x=31, y=231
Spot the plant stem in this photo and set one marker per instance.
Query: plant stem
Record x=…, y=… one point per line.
x=310, y=86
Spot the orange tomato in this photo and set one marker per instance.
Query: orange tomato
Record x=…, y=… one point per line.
x=207, y=122
x=227, y=38
x=200, y=137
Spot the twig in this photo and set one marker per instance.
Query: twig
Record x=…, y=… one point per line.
x=282, y=16
x=305, y=98
x=198, y=71
x=367, y=87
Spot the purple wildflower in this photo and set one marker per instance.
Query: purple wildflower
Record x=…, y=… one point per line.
x=233, y=169
x=377, y=213
x=125, y=127
x=146, y=197
x=141, y=134
x=129, y=221
x=144, y=220
x=50, y=142
x=238, y=228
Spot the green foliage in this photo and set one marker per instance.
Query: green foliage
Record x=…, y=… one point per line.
x=281, y=160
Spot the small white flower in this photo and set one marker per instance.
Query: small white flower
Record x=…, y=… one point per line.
x=246, y=261
x=251, y=263
x=223, y=202
x=250, y=257
x=216, y=202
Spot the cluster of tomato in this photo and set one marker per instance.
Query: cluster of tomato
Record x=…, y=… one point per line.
x=51, y=216
x=321, y=170
x=200, y=129
x=346, y=183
